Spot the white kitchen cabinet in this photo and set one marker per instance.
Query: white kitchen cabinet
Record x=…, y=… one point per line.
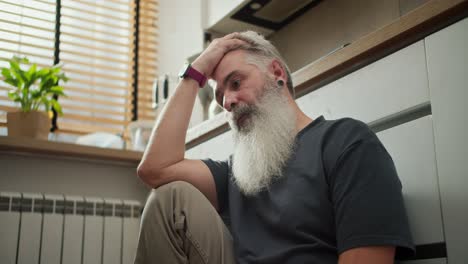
x=447, y=65
x=387, y=86
x=215, y=10
x=411, y=146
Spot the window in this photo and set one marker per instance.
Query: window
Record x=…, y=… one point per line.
x=100, y=54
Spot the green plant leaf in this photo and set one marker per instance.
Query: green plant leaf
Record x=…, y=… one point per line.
x=13, y=82
x=46, y=103
x=13, y=95
x=56, y=106
x=58, y=90
x=43, y=72
x=35, y=94
x=26, y=93
x=6, y=73
x=30, y=75
x=17, y=71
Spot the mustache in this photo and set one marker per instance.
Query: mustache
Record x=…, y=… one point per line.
x=243, y=109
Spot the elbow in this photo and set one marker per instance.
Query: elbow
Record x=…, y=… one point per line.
x=147, y=174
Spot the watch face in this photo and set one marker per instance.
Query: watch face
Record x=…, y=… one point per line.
x=183, y=71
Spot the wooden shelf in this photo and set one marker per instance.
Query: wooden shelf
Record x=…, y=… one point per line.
x=59, y=149
x=414, y=26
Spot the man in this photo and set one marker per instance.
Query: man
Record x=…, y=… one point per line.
x=296, y=190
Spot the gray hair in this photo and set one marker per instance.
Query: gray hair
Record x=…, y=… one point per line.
x=261, y=52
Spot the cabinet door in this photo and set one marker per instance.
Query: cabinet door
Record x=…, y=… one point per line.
x=387, y=86
x=447, y=65
x=411, y=146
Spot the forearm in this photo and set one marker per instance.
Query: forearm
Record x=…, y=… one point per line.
x=165, y=151
x=167, y=142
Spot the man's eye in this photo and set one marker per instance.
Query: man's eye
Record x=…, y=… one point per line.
x=235, y=84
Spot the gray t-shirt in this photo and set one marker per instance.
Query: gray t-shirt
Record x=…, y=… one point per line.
x=340, y=190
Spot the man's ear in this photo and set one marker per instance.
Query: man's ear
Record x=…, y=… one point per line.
x=277, y=70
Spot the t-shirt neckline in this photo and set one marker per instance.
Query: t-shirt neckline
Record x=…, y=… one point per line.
x=314, y=123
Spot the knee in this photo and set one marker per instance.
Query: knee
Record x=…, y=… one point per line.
x=165, y=195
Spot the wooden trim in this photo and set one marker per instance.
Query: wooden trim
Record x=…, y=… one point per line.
x=34, y=146
x=415, y=25
x=406, y=30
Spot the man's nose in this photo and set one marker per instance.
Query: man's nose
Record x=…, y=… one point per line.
x=230, y=101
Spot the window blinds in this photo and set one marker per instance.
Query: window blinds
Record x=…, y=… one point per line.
x=27, y=28
x=147, y=57
x=98, y=51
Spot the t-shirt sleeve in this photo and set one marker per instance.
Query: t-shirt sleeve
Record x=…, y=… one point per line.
x=367, y=197
x=220, y=172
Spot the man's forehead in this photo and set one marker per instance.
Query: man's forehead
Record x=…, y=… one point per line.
x=230, y=62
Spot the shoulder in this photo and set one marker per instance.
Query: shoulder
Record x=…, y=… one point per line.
x=340, y=135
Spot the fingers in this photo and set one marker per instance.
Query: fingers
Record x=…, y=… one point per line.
x=231, y=44
x=231, y=35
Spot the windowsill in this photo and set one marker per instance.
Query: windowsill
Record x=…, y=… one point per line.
x=414, y=26
x=68, y=150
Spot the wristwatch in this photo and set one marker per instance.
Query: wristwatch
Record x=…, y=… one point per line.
x=189, y=71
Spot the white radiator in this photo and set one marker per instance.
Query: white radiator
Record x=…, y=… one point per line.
x=55, y=229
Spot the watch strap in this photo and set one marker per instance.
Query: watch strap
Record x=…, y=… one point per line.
x=196, y=75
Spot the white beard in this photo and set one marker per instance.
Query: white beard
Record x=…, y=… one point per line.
x=265, y=143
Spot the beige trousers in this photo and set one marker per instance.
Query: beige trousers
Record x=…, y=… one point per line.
x=179, y=225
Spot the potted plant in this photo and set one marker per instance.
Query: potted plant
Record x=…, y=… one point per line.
x=34, y=90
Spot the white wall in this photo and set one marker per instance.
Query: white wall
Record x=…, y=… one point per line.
x=180, y=33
